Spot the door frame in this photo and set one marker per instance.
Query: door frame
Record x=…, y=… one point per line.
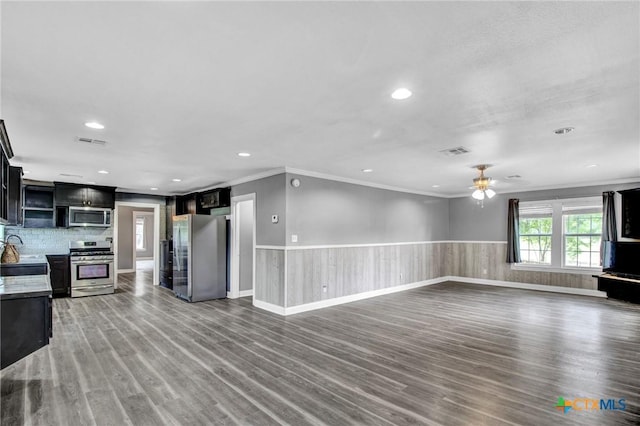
x=234, y=286
x=156, y=237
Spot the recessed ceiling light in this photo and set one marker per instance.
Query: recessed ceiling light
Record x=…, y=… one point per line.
x=591, y=166
x=435, y=186
x=103, y=172
x=244, y=154
x=176, y=180
x=367, y=170
x=401, y=93
x=94, y=125
x=564, y=130
x=26, y=172
x=154, y=188
x=91, y=182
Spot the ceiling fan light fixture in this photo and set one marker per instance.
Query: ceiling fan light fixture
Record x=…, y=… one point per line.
x=481, y=184
x=478, y=195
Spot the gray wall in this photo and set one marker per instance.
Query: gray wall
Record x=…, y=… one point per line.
x=125, y=236
x=245, y=216
x=325, y=212
x=270, y=200
x=470, y=222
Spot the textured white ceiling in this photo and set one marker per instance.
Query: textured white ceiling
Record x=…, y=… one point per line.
x=183, y=87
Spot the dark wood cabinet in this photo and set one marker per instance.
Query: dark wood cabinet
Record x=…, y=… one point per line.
x=215, y=198
x=166, y=264
x=60, y=274
x=4, y=187
x=14, y=206
x=69, y=194
x=21, y=269
x=186, y=204
x=25, y=326
x=627, y=289
x=6, y=153
x=38, y=208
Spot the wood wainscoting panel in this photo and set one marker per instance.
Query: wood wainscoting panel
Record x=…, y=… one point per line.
x=319, y=274
x=488, y=261
x=270, y=276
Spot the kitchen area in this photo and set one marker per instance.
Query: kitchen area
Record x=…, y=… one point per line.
x=61, y=240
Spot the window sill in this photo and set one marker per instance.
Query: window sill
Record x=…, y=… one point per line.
x=536, y=268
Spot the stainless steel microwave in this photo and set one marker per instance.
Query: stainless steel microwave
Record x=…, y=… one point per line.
x=89, y=216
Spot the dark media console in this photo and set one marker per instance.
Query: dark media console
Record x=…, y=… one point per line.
x=627, y=289
x=621, y=267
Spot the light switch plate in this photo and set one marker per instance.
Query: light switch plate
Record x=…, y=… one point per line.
x=294, y=238
x=274, y=218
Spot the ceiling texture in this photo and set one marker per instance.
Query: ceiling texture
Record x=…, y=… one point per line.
x=182, y=87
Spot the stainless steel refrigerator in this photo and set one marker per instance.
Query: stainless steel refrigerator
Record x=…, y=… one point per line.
x=200, y=257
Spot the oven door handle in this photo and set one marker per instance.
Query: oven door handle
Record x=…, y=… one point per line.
x=91, y=262
x=93, y=287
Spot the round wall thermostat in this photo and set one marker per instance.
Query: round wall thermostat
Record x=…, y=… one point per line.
x=295, y=183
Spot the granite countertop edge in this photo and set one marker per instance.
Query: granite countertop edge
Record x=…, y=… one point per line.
x=24, y=286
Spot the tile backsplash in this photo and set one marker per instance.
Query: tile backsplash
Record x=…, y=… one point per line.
x=53, y=240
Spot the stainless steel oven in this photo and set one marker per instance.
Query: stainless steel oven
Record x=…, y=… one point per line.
x=91, y=268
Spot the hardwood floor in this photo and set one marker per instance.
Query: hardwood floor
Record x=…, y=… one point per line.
x=451, y=354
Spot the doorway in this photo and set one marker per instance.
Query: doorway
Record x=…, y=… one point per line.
x=243, y=245
x=124, y=237
x=143, y=237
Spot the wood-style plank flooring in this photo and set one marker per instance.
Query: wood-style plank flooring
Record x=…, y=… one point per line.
x=450, y=354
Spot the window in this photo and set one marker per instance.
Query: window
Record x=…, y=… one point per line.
x=140, y=233
x=536, y=234
x=582, y=235
x=561, y=233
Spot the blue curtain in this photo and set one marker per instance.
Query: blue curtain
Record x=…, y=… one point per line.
x=513, y=232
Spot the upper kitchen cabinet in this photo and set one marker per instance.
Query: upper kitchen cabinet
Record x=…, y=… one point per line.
x=5, y=156
x=38, y=206
x=71, y=194
x=14, y=208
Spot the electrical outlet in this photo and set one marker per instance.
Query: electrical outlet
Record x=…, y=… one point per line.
x=294, y=238
x=484, y=272
x=401, y=275
x=274, y=218
x=324, y=288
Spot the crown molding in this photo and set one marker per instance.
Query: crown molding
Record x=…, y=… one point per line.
x=549, y=187
x=359, y=182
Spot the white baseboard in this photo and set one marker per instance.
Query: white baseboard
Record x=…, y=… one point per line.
x=526, y=286
x=269, y=307
x=246, y=293
x=368, y=294
x=355, y=297
x=124, y=271
x=243, y=293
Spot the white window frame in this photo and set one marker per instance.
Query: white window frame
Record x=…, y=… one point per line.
x=557, y=237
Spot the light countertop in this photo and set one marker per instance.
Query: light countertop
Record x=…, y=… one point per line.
x=24, y=286
x=28, y=259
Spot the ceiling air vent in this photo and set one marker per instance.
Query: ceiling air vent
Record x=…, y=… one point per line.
x=451, y=152
x=71, y=175
x=91, y=141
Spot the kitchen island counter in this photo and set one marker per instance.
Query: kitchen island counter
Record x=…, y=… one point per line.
x=24, y=286
x=25, y=316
